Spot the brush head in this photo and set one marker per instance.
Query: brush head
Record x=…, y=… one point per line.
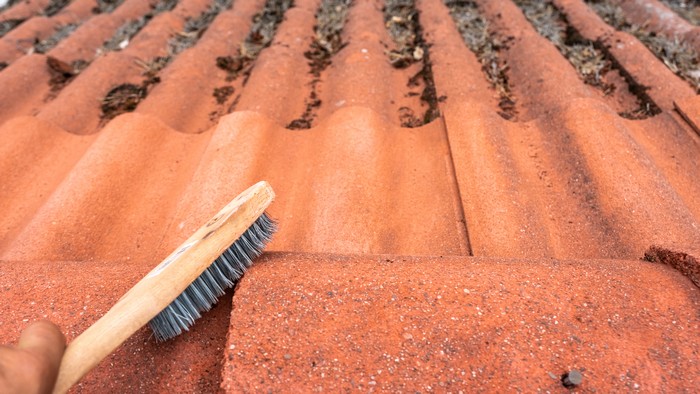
x=222, y=274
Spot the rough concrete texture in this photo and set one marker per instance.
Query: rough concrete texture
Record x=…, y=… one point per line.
x=316, y=323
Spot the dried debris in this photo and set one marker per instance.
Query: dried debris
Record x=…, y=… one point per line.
x=487, y=47
x=125, y=32
x=126, y=97
x=222, y=94
x=128, y=30
x=408, y=118
x=428, y=95
x=330, y=20
x=591, y=59
x=121, y=99
x=193, y=31
x=152, y=68
x=688, y=9
x=260, y=36
x=676, y=54
x=49, y=43
x=3, y=65
x=306, y=119
x=106, y=6
x=54, y=7
x=62, y=74
x=195, y=28
x=7, y=25
x=402, y=22
x=164, y=6
x=590, y=62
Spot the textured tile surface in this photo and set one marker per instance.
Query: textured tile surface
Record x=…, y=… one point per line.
x=390, y=323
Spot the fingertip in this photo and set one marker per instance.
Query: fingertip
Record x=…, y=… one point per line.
x=44, y=335
x=45, y=342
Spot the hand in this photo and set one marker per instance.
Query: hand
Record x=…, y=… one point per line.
x=32, y=365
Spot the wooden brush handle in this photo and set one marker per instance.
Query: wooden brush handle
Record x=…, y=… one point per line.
x=162, y=285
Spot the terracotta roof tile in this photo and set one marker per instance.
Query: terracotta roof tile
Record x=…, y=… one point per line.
x=529, y=152
x=334, y=208
x=391, y=323
x=28, y=35
x=659, y=17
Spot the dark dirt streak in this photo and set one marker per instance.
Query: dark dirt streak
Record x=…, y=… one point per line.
x=676, y=54
x=647, y=106
x=3, y=65
x=260, y=37
x=48, y=44
x=222, y=94
x=487, y=47
x=591, y=59
x=402, y=21
x=331, y=17
x=126, y=97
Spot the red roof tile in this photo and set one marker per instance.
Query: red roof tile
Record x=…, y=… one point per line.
x=389, y=323
x=560, y=141
x=658, y=16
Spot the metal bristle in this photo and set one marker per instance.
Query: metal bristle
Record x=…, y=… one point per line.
x=223, y=273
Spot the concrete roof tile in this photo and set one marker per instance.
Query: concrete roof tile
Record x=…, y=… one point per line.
x=390, y=323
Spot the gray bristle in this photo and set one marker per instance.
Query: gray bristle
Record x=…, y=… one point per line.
x=223, y=273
